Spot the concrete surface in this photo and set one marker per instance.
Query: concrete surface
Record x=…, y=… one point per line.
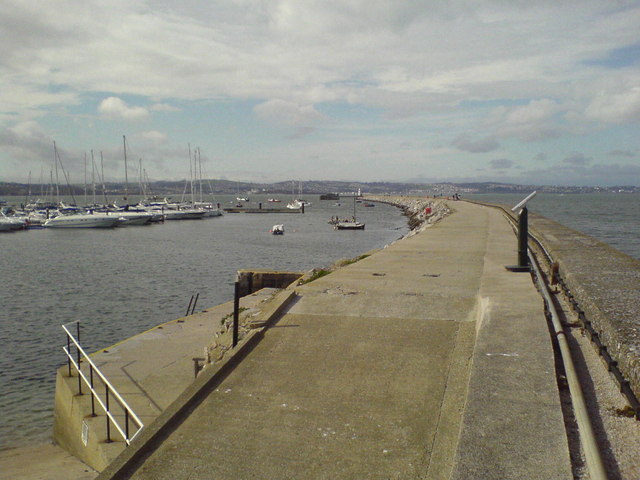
x=375, y=372
x=150, y=370
x=43, y=462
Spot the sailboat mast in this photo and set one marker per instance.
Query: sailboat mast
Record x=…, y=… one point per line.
x=104, y=187
x=41, y=181
x=126, y=174
x=200, y=174
x=191, y=173
x=85, y=178
x=93, y=177
x=55, y=161
x=26, y=200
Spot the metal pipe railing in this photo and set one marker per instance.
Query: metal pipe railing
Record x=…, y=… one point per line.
x=110, y=390
x=593, y=458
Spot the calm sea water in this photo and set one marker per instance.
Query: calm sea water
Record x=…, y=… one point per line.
x=123, y=281
x=611, y=218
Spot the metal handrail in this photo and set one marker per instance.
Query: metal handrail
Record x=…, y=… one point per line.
x=109, y=389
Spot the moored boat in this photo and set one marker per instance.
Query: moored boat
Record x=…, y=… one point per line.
x=349, y=226
x=83, y=220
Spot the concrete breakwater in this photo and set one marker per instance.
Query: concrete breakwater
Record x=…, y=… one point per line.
x=604, y=287
x=412, y=359
x=394, y=366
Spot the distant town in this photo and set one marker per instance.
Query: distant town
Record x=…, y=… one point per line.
x=223, y=187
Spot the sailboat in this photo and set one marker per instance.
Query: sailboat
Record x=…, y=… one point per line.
x=352, y=225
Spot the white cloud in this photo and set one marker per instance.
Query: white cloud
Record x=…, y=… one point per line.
x=163, y=107
x=616, y=107
x=288, y=113
x=114, y=107
x=154, y=136
x=26, y=140
x=531, y=122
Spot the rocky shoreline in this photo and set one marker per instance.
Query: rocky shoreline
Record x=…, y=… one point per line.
x=421, y=212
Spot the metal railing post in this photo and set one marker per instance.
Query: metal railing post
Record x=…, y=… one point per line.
x=194, y=302
x=79, y=359
x=523, y=238
x=68, y=357
x=236, y=312
x=106, y=394
x=93, y=403
x=79, y=376
x=126, y=423
x=189, y=306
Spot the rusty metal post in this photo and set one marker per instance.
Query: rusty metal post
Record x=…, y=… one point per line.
x=236, y=312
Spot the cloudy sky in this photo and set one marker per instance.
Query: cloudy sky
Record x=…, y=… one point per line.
x=268, y=90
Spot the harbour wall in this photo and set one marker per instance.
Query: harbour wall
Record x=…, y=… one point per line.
x=604, y=287
x=253, y=280
x=602, y=283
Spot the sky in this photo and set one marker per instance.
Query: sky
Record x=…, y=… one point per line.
x=530, y=92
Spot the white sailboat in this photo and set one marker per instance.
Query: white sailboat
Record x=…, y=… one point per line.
x=350, y=225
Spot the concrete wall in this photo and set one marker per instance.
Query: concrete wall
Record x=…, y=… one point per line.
x=605, y=283
x=70, y=411
x=253, y=280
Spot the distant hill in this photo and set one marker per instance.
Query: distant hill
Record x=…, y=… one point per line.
x=163, y=188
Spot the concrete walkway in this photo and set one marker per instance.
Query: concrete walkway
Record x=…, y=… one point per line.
x=150, y=370
x=425, y=360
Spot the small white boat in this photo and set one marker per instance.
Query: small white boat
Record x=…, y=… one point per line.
x=297, y=204
x=277, y=229
x=83, y=220
x=8, y=224
x=349, y=226
x=210, y=210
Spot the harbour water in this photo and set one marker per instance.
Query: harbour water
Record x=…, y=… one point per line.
x=611, y=218
x=119, y=282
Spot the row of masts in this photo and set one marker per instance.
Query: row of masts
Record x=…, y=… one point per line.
x=97, y=177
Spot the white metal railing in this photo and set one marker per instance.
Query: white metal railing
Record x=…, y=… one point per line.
x=109, y=390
